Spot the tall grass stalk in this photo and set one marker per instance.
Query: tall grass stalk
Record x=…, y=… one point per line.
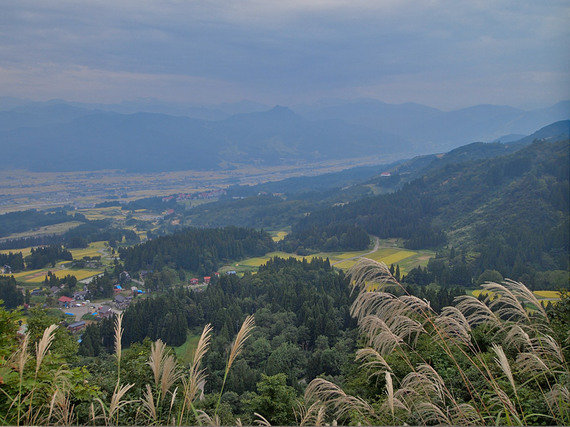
x=196, y=376
x=392, y=322
x=237, y=347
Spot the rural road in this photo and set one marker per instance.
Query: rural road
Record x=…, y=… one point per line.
x=376, y=247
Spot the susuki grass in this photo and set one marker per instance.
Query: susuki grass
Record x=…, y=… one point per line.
x=492, y=361
x=488, y=385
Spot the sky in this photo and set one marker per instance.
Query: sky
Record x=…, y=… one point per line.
x=443, y=53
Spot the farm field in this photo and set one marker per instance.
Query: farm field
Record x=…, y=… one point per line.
x=407, y=259
x=60, y=269
x=38, y=276
x=94, y=249
x=552, y=296
x=45, y=231
x=277, y=236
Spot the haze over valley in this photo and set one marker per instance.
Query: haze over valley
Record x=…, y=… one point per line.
x=316, y=212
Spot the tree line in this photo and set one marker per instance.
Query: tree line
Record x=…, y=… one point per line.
x=197, y=250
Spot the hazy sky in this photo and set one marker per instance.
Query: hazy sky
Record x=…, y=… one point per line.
x=443, y=53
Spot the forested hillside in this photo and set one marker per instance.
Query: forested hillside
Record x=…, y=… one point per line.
x=510, y=212
x=198, y=250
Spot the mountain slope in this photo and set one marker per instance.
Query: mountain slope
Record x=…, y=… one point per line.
x=497, y=207
x=59, y=136
x=145, y=142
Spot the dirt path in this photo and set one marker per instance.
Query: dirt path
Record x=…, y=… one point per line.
x=375, y=249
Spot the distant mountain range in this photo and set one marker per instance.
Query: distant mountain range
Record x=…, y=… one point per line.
x=61, y=136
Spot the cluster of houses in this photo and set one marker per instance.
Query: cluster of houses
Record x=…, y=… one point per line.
x=206, y=280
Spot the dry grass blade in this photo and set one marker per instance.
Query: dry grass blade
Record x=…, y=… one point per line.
x=506, y=303
x=331, y=394
x=390, y=393
x=196, y=375
x=381, y=304
x=43, y=346
x=61, y=409
x=430, y=413
x=312, y=416
x=477, y=312
x=170, y=374
x=367, y=271
x=379, y=335
x=148, y=404
x=117, y=401
x=464, y=414
x=156, y=359
x=426, y=381
x=503, y=363
x=517, y=337
x=559, y=398
x=261, y=420
x=501, y=398
x=373, y=361
x=453, y=324
x=550, y=350
x=118, y=335
x=22, y=356
x=241, y=337
x=204, y=418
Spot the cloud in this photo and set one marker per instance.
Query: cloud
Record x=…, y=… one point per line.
x=281, y=50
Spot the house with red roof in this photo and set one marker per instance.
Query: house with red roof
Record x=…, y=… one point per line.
x=64, y=301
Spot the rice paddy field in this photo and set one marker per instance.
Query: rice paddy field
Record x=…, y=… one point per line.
x=94, y=249
x=38, y=276
x=385, y=252
x=543, y=296
x=277, y=236
x=61, y=268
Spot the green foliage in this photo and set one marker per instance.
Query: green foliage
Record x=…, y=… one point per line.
x=49, y=255
x=336, y=237
x=198, y=250
x=511, y=211
x=11, y=296
x=275, y=400
x=499, y=361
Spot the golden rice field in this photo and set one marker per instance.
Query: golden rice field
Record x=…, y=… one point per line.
x=25, y=251
x=38, y=276
x=278, y=235
x=91, y=251
x=405, y=258
x=256, y=262
x=552, y=296
x=548, y=294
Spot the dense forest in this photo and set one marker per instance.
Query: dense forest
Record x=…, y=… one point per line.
x=197, y=250
x=298, y=341
x=510, y=212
